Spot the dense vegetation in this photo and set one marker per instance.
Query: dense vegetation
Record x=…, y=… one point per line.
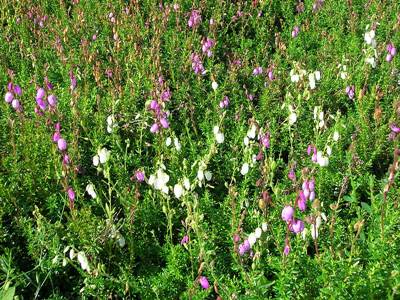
x=199, y=150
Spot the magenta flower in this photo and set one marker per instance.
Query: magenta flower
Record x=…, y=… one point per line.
x=287, y=213
x=301, y=203
x=62, y=144
x=197, y=64
x=185, y=240
x=206, y=46
x=17, y=90
x=40, y=102
x=297, y=226
x=350, y=91
x=139, y=176
x=265, y=141
x=394, y=128
x=257, y=71
x=292, y=175
x=154, y=105
x=56, y=136
x=194, y=19
x=71, y=194
x=286, y=250
x=66, y=160
x=295, y=31
x=204, y=282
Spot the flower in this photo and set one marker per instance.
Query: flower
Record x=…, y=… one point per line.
x=111, y=123
x=286, y=250
x=40, y=93
x=292, y=118
x=90, y=190
x=62, y=144
x=8, y=97
x=287, y=213
x=369, y=38
x=104, y=155
x=71, y=194
x=185, y=240
x=16, y=104
x=336, y=136
x=204, y=282
x=295, y=31
x=178, y=190
x=245, y=169
x=214, y=85
x=297, y=226
x=194, y=19
x=154, y=128
x=52, y=100
x=139, y=175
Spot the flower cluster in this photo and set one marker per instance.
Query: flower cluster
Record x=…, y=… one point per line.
x=350, y=91
x=197, y=64
x=206, y=46
x=224, y=103
x=252, y=239
x=44, y=99
x=157, y=106
x=391, y=49
x=10, y=96
x=194, y=19
x=159, y=180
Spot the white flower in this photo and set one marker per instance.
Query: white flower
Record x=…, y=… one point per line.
x=215, y=129
x=251, y=133
x=121, y=241
x=246, y=141
x=292, y=118
x=343, y=75
x=96, y=160
x=214, y=85
x=321, y=124
x=304, y=233
x=90, y=190
x=295, y=78
x=323, y=161
x=220, y=137
x=329, y=150
x=159, y=181
x=264, y=226
x=311, y=79
x=178, y=190
x=369, y=38
x=111, y=123
x=371, y=61
x=208, y=175
x=314, y=231
x=245, y=169
x=186, y=183
x=152, y=179
x=177, y=144
x=252, y=239
x=336, y=136
x=258, y=232
x=321, y=115
x=104, y=155
x=315, y=112
x=83, y=261
x=317, y=75
x=168, y=141
x=200, y=175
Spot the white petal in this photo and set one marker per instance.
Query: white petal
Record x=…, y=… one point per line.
x=200, y=175
x=178, y=190
x=245, y=169
x=164, y=189
x=251, y=134
x=246, y=141
x=214, y=85
x=252, y=239
x=317, y=75
x=168, y=141
x=83, y=261
x=292, y=118
x=258, y=232
x=186, y=183
x=314, y=231
x=220, y=137
x=264, y=226
x=336, y=136
x=96, y=160
x=208, y=175
x=177, y=144
x=216, y=129
x=329, y=150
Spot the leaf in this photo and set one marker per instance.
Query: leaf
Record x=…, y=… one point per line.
x=8, y=294
x=366, y=207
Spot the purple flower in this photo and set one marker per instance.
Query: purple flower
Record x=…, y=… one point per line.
x=197, y=64
x=66, y=160
x=350, y=90
x=265, y=140
x=224, y=102
x=40, y=102
x=164, y=122
x=139, y=176
x=297, y=226
x=391, y=49
x=204, y=282
x=57, y=126
x=71, y=194
x=185, y=240
x=40, y=93
x=287, y=213
x=271, y=75
x=311, y=185
x=16, y=105
x=73, y=80
x=286, y=250
x=154, y=105
x=56, y=136
x=62, y=144
x=394, y=128
x=242, y=250
x=206, y=46
x=166, y=95
x=292, y=175
x=17, y=90
x=52, y=100
x=194, y=19
x=312, y=196
x=9, y=97
x=257, y=71
x=301, y=202
x=154, y=128
x=295, y=31
x=389, y=57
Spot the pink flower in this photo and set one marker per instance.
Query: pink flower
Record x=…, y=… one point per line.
x=194, y=19
x=71, y=194
x=287, y=213
x=204, y=282
x=139, y=176
x=185, y=240
x=62, y=144
x=297, y=226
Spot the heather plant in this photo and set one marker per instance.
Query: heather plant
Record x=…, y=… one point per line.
x=199, y=150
